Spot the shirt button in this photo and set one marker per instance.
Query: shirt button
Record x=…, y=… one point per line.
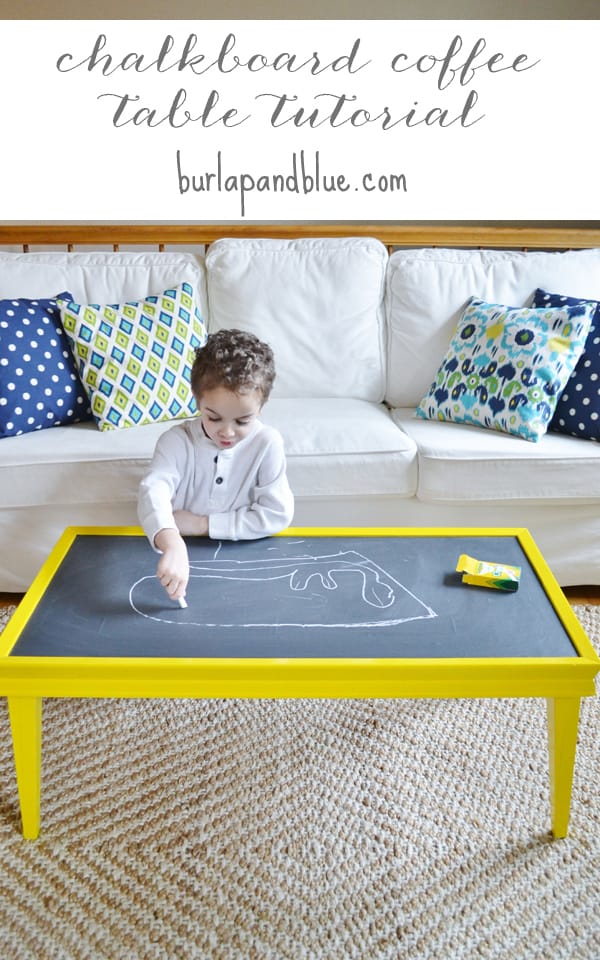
x=219, y=480
x=216, y=460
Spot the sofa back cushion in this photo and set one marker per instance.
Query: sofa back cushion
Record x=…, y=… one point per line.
x=428, y=289
x=119, y=398
x=99, y=277
x=317, y=302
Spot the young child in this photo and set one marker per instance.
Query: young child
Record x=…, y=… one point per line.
x=222, y=474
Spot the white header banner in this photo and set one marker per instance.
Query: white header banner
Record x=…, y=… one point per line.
x=300, y=120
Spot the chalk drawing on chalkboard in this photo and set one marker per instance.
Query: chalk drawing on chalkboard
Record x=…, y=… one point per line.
x=344, y=589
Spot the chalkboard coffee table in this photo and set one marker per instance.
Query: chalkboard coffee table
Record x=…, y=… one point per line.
x=314, y=612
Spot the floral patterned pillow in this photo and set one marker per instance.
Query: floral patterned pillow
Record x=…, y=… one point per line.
x=506, y=367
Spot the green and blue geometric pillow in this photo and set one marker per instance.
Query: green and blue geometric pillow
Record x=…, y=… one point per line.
x=506, y=367
x=578, y=409
x=135, y=358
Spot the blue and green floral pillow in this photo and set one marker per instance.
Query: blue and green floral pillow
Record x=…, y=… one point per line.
x=578, y=409
x=507, y=366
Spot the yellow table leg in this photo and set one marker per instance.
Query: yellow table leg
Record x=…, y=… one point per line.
x=26, y=725
x=563, y=720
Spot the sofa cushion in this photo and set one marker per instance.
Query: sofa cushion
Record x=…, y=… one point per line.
x=75, y=465
x=317, y=302
x=333, y=447
x=99, y=277
x=39, y=384
x=462, y=463
x=427, y=290
x=578, y=409
x=135, y=358
x=506, y=366
x=338, y=447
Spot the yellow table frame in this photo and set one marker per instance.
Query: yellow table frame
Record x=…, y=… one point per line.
x=562, y=681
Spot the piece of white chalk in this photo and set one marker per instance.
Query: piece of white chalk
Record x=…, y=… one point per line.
x=182, y=603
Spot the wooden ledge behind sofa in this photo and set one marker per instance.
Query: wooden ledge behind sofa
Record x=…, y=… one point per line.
x=159, y=235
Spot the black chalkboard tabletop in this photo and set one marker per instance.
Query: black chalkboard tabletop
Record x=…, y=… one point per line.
x=297, y=596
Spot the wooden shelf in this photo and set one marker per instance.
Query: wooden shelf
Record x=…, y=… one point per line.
x=391, y=234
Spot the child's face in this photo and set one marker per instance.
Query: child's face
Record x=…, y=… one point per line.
x=228, y=417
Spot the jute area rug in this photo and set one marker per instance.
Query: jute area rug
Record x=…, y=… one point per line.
x=325, y=830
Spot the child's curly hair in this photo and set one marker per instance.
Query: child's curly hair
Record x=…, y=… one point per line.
x=236, y=360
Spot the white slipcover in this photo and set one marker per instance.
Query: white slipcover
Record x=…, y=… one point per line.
x=318, y=303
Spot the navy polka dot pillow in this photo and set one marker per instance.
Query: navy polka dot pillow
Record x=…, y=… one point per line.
x=578, y=409
x=39, y=384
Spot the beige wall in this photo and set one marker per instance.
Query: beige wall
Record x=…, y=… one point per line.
x=307, y=9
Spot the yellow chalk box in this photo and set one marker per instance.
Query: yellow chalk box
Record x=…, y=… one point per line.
x=483, y=573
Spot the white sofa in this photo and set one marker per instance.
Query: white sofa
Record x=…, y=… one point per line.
x=358, y=334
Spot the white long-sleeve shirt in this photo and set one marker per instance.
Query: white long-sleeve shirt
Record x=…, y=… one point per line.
x=244, y=491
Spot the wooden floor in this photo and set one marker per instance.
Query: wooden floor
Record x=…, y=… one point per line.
x=8, y=599
x=584, y=594
x=589, y=595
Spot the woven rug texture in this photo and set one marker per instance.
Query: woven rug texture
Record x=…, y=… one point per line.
x=301, y=830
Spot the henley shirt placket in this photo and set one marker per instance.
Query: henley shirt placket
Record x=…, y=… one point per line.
x=219, y=492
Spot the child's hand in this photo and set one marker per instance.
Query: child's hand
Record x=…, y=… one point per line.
x=191, y=524
x=173, y=569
